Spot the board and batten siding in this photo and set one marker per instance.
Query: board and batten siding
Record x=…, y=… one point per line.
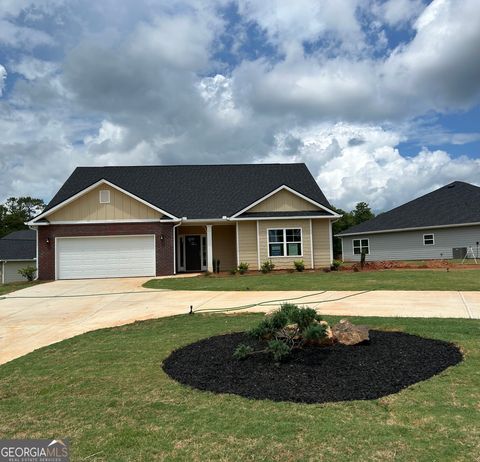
x=283, y=201
x=224, y=246
x=88, y=208
x=408, y=245
x=247, y=243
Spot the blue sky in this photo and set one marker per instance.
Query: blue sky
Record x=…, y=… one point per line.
x=381, y=98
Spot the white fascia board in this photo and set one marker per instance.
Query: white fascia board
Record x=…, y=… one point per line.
x=90, y=188
x=296, y=217
x=398, y=230
x=287, y=188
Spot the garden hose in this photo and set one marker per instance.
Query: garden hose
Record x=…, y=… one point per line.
x=275, y=303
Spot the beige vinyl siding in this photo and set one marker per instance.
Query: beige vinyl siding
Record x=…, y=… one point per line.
x=285, y=262
x=283, y=201
x=224, y=246
x=247, y=243
x=321, y=243
x=10, y=270
x=88, y=208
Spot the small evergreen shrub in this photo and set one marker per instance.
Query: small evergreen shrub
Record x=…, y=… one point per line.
x=28, y=272
x=267, y=266
x=242, y=351
x=242, y=267
x=335, y=265
x=278, y=349
x=233, y=271
x=288, y=328
x=299, y=265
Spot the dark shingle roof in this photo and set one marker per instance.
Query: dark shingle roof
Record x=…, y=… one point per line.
x=455, y=203
x=305, y=213
x=24, y=234
x=19, y=245
x=197, y=191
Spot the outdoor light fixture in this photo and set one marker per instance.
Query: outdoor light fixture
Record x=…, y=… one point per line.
x=47, y=240
x=162, y=237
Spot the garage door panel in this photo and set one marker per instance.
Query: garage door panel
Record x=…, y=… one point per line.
x=99, y=257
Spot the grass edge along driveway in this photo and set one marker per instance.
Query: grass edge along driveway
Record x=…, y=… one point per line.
x=106, y=392
x=341, y=280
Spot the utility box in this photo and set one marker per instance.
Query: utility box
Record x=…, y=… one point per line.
x=459, y=253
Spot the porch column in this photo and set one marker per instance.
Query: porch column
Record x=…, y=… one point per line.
x=209, y=249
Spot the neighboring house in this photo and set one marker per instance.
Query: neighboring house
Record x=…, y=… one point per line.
x=17, y=250
x=160, y=220
x=443, y=224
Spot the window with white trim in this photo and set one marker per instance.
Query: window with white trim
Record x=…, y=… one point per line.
x=428, y=239
x=104, y=196
x=361, y=246
x=285, y=242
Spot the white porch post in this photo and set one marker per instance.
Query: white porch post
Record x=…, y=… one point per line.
x=209, y=249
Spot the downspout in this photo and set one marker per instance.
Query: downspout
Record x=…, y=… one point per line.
x=175, y=247
x=36, y=250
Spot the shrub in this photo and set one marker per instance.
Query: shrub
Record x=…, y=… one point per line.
x=28, y=272
x=242, y=267
x=336, y=265
x=299, y=265
x=315, y=332
x=287, y=328
x=279, y=350
x=242, y=351
x=267, y=266
x=233, y=271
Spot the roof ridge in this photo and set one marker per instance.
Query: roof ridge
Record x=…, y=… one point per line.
x=192, y=165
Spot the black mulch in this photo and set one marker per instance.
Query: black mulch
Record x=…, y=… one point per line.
x=390, y=362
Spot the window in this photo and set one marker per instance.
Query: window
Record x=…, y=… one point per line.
x=285, y=242
x=361, y=246
x=428, y=239
x=104, y=196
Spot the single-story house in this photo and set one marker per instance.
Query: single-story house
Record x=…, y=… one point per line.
x=442, y=224
x=160, y=220
x=17, y=250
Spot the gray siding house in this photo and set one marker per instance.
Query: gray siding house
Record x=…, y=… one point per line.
x=443, y=224
x=17, y=250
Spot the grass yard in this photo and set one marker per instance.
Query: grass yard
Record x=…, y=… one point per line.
x=13, y=286
x=107, y=393
x=341, y=280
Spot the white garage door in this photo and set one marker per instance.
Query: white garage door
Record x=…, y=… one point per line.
x=105, y=257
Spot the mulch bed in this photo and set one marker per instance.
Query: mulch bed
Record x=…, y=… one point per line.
x=390, y=362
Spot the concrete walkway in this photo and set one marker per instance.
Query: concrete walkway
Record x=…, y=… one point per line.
x=44, y=314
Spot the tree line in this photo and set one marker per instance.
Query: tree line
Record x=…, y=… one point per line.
x=359, y=214
x=16, y=211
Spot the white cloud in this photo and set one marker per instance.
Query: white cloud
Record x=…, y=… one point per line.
x=360, y=162
x=32, y=68
x=3, y=77
x=399, y=12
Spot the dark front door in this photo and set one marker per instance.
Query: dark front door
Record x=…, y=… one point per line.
x=193, y=256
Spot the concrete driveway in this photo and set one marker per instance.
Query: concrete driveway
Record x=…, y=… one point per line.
x=44, y=314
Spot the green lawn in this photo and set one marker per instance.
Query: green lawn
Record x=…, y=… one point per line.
x=342, y=280
x=107, y=393
x=13, y=286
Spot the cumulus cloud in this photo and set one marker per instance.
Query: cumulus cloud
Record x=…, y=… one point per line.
x=3, y=76
x=140, y=82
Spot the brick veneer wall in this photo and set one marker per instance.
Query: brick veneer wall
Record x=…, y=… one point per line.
x=163, y=250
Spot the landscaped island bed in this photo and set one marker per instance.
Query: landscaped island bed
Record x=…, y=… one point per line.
x=341, y=280
x=389, y=362
x=107, y=392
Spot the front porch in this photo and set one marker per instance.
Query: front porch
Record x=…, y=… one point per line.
x=201, y=247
